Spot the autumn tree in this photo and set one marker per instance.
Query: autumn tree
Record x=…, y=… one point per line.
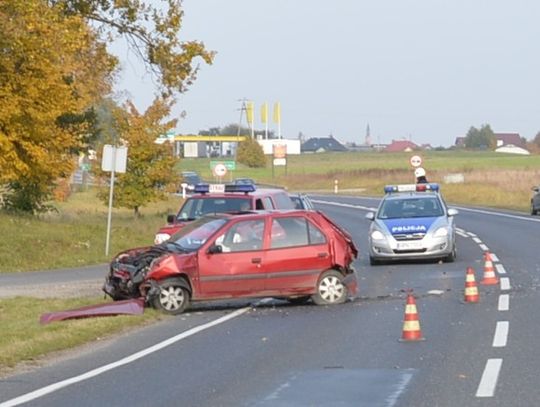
x=150, y=166
x=151, y=28
x=51, y=68
x=250, y=153
x=55, y=67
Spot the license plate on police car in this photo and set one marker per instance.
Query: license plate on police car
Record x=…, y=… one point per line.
x=409, y=245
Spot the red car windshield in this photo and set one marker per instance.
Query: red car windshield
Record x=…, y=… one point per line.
x=195, y=234
x=195, y=207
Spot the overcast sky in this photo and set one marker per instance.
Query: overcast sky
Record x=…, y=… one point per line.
x=427, y=70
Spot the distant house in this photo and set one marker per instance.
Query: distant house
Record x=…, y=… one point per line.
x=505, y=139
x=401, y=146
x=460, y=141
x=322, y=145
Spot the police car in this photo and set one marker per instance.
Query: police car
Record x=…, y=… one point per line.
x=412, y=222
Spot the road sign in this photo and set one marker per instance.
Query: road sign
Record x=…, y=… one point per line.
x=230, y=165
x=220, y=170
x=416, y=161
x=114, y=158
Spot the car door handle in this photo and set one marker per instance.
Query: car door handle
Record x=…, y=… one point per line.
x=322, y=255
x=256, y=260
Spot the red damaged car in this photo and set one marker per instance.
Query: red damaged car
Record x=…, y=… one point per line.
x=294, y=254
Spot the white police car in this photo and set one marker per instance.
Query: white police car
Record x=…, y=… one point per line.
x=412, y=222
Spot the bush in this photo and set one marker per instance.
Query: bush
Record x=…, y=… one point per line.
x=250, y=153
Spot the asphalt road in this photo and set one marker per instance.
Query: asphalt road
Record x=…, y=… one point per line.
x=271, y=353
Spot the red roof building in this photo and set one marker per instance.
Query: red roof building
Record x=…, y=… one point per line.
x=400, y=146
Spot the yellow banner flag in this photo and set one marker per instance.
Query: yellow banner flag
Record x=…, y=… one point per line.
x=249, y=112
x=277, y=113
x=264, y=113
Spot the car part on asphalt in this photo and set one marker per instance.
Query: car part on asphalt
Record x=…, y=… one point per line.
x=133, y=306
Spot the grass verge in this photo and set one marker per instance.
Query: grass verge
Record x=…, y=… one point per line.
x=24, y=339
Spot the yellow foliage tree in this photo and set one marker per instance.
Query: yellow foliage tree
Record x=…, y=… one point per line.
x=54, y=66
x=50, y=65
x=150, y=166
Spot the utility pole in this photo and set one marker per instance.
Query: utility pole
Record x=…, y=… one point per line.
x=243, y=109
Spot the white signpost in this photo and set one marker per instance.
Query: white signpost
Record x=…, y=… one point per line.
x=114, y=160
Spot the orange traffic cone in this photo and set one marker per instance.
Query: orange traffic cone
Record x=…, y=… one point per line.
x=490, y=277
x=471, y=290
x=411, y=324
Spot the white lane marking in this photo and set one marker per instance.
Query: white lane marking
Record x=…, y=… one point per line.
x=25, y=398
x=501, y=334
x=484, y=247
x=476, y=240
x=505, y=283
x=461, y=230
x=365, y=208
x=504, y=215
x=504, y=302
x=471, y=234
x=494, y=257
x=488, y=382
x=462, y=234
x=500, y=269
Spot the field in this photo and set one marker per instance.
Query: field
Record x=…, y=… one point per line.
x=491, y=179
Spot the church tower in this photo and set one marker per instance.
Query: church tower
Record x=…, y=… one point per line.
x=368, y=136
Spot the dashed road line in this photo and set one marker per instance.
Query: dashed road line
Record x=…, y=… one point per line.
x=484, y=247
x=476, y=240
x=504, y=302
x=494, y=257
x=487, y=385
x=505, y=283
x=501, y=334
x=500, y=269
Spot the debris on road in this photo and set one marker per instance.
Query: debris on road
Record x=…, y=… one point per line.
x=127, y=307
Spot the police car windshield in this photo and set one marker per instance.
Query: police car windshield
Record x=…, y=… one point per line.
x=415, y=207
x=194, y=207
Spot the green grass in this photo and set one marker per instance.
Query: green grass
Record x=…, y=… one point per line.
x=76, y=235
x=25, y=339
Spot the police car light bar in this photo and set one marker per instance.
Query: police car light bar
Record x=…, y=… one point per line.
x=206, y=188
x=240, y=188
x=388, y=189
x=201, y=188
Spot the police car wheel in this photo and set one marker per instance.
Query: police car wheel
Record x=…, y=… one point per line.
x=374, y=262
x=451, y=257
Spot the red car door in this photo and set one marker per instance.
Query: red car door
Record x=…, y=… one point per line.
x=238, y=269
x=298, y=253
